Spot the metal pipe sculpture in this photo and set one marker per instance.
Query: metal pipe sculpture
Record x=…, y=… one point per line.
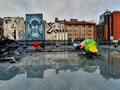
x=7, y=49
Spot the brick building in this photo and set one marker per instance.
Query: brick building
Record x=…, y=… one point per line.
x=78, y=30
x=109, y=26
x=115, y=25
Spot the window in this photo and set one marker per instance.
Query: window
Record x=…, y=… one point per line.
x=89, y=34
x=76, y=34
x=69, y=27
x=76, y=31
x=69, y=31
x=82, y=32
x=89, y=26
x=69, y=34
x=83, y=27
x=89, y=31
x=76, y=27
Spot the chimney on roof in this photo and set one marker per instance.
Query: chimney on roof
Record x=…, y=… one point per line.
x=73, y=19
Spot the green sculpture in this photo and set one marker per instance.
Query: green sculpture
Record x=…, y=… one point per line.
x=88, y=45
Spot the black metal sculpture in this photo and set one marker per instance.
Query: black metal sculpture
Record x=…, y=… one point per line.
x=7, y=49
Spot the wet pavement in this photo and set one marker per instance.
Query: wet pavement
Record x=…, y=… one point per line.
x=62, y=71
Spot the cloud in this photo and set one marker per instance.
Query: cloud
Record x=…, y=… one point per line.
x=63, y=9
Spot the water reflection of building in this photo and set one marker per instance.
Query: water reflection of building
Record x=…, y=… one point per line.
x=108, y=28
x=110, y=68
x=63, y=61
x=37, y=63
x=34, y=65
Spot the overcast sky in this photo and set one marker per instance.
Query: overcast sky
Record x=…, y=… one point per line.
x=63, y=9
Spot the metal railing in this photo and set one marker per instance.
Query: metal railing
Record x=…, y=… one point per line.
x=45, y=42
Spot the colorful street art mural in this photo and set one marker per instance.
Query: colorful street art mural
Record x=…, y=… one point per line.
x=21, y=35
x=13, y=26
x=35, y=27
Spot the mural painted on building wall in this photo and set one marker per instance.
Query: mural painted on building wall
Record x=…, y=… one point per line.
x=34, y=27
x=53, y=28
x=21, y=34
x=56, y=31
x=12, y=26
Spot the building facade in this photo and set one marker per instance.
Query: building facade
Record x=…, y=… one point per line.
x=62, y=30
x=79, y=30
x=50, y=33
x=14, y=28
x=56, y=30
x=109, y=26
x=115, y=25
x=34, y=27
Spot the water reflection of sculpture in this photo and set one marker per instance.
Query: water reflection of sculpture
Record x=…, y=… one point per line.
x=90, y=63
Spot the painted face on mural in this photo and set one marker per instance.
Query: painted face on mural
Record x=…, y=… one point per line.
x=35, y=30
x=10, y=27
x=21, y=35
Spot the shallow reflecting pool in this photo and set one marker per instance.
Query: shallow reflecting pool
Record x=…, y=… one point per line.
x=62, y=71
